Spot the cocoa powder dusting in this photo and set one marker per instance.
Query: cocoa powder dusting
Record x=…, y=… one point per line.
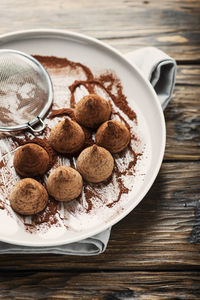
x=88, y=195
x=57, y=63
x=119, y=100
x=111, y=86
x=2, y=164
x=61, y=112
x=122, y=188
x=2, y=207
x=48, y=216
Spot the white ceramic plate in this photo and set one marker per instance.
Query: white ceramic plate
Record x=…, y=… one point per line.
x=99, y=57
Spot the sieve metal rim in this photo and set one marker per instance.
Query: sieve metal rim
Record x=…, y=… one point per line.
x=47, y=105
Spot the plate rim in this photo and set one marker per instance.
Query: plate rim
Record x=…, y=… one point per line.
x=43, y=31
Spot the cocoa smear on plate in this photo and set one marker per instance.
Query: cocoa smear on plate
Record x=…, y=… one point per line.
x=107, y=82
x=2, y=164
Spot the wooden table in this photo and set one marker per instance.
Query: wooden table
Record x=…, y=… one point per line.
x=154, y=253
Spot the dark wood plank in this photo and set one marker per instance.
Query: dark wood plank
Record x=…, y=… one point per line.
x=170, y=25
x=188, y=75
x=183, y=123
x=161, y=233
x=100, y=285
x=184, y=47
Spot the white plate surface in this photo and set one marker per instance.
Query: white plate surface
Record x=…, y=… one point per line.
x=151, y=130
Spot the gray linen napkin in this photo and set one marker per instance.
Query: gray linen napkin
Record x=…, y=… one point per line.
x=90, y=246
x=160, y=70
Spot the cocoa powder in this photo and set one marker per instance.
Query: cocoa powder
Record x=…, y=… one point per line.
x=2, y=164
x=88, y=195
x=116, y=98
x=57, y=62
x=61, y=112
x=48, y=215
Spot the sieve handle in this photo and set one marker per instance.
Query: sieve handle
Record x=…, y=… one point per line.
x=37, y=130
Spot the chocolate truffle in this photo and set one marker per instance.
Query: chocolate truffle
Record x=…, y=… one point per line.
x=28, y=197
x=113, y=135
x=92, y=110
x=67, y=137
x=64, y=184
x=31, y=160
x=95, y=164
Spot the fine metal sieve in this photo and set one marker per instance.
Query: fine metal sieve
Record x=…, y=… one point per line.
x=26, y=92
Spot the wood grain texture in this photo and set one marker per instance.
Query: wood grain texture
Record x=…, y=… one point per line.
x=171, y=25
x=161, y=233
x=188, y=75
x=183, y=123
x=100, y=285
x=154, y=252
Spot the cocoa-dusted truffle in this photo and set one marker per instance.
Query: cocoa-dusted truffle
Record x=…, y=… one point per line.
x=92, y=110
x=64, y=184
x=28, y=197
x=67, y=137
x=95, y=164
x=113, y=135
x=31, y=160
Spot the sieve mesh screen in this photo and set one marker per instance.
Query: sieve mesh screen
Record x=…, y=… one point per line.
x=23, y=89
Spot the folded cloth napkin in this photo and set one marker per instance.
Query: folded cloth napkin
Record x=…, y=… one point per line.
x=90, y=246
x=160, y=70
